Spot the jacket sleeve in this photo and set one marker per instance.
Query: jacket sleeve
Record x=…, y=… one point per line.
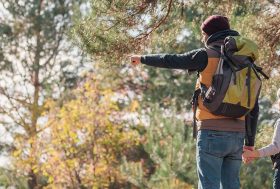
x=251, y=121
x=274, y=147
x=195, y=60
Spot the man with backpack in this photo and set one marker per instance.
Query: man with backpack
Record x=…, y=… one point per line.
x=225, y=108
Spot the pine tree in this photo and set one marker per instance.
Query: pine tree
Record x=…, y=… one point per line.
x=171, y=161
x=35, y=65
x=130, y=25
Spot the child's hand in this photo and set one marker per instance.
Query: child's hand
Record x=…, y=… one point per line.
x=246, y=159
x=250, y=153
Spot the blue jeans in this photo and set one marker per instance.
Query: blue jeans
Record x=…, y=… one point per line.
x=218, y=158
x=276, y=179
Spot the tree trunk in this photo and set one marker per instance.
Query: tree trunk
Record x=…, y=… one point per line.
x=33, y=180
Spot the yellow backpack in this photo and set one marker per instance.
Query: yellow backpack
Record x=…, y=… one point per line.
x=236, y=83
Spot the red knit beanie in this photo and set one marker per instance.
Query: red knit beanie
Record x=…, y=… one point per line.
x=214, y=24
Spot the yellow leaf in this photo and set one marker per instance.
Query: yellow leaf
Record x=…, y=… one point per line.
x=134, y=105
x=50, y=180
x=16, y=153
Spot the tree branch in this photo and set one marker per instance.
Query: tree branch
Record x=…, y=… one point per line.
x=141, y=36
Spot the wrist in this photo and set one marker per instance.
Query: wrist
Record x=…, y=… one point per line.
x=256, y=153
x=142, y=59
x=249, y=147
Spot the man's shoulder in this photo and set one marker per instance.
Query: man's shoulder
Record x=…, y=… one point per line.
x=198, y=58
x=199, y=53
x=198, y=50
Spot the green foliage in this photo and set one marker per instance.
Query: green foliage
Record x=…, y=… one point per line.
x=268, y=114
x=120, y=27
x=8, y=178
x=34, y=55
x=167, y=87
x=82, y=144
x=265, y=133
x=172, y=156
x=140, y=26
x=258, y=174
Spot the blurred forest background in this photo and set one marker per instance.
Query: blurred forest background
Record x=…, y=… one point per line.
x=75, y=114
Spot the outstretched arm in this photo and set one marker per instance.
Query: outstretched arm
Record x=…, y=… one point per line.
x=195, y=60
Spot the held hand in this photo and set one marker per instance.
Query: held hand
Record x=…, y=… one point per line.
x=247, y=160
x=248, y=148
x=250, y=154
x=135, y=59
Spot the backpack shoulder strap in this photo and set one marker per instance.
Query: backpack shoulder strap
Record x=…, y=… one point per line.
x=259, y=70
x=194, y=105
